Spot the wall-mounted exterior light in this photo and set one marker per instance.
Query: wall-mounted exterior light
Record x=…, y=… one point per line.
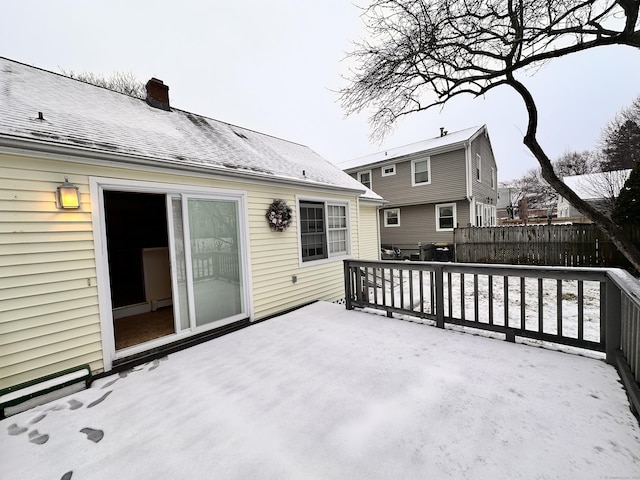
x=67, y=195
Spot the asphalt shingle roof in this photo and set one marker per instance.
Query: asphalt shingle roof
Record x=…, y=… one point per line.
x=82, y=116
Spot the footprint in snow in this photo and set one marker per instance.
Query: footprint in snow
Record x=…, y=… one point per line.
x=14, y=429
x=37, y=419
x=154, y=365
x=38, y=438
x=94, y=435
x=67, y=476
x=100, y=400
x=108, y=384
x=74, y=404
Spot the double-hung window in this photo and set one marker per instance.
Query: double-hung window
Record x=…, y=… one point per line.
x=365, y=178
x=445, y=217
x=337, y=229
x=313, y=238
x=324, y=230
x=478, y=167
x=479, y=215
x=392, y=217
x=421, y=172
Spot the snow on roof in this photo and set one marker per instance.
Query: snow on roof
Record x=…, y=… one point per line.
x=593, y=186
x=82, y=116
x=446, y=142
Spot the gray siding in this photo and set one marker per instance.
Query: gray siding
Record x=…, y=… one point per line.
x=448, y=180
x=482, y=190
x=418, y=225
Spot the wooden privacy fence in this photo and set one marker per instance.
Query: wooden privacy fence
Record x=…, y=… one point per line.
x=567, y=245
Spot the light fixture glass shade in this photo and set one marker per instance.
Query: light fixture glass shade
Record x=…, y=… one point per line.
x=67, y=195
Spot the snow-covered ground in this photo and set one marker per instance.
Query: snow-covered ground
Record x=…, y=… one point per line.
x=326, y=393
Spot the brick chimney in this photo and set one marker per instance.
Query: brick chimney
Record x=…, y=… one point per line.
x=158, y=94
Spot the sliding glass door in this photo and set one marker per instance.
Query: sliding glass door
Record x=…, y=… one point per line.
x=208, y=258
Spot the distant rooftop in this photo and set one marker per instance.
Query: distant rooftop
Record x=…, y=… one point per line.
x=45, y=110
x=593, y=186
x=445, y=142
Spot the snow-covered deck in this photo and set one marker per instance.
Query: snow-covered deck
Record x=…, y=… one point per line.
x=326, y=393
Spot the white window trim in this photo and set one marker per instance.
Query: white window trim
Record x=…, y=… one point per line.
x=455, y=216
x=370, y=186
x=385, y=174
x=329, y=258
x=478, y=168
x=413, y=171
x=391, y=225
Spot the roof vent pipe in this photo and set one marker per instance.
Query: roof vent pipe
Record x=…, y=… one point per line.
x=443, y=132
x=158, y=94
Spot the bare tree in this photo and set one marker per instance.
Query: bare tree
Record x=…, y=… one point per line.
x=422, y=53
x=601, y=189
x=123, y=82
x=577, y=163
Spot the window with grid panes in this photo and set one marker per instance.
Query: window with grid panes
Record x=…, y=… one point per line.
x=337, y=226
x=312, y=231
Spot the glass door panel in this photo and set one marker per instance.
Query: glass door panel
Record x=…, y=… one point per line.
x=216, y=271
x=180, y=273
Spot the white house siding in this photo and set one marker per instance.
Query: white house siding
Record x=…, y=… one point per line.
x=48, y=295
x=369, y=238
x=49, y=315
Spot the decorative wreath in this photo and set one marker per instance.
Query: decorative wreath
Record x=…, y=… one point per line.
x=279, y=215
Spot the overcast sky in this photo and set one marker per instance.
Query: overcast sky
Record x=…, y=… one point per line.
x=273, y=66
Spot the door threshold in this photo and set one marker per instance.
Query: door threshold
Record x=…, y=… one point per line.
x=127, y=363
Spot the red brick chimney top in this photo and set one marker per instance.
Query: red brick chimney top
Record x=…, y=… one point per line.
x=158, y=94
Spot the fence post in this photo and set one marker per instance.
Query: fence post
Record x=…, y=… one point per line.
x=612, y=320
x=347, y=285
x=439, y=273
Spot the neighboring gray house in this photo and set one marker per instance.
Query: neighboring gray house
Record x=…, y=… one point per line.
x=432, y=187
x=600, y=189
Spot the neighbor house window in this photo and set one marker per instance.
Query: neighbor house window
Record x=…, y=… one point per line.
x=388, y=170
x=478, y=167
x=445, y=217
x=479, y=215
x=493, y=178
x=324, y=230
x=392, y=217
x=365, y=178
x=421, y=172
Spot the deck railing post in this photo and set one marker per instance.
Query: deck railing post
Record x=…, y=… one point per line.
x=439, y=274
x=347, y=285
x=612, y=320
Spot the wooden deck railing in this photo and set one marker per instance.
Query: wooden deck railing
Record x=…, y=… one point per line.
x=591, y=308
x=212, y=265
